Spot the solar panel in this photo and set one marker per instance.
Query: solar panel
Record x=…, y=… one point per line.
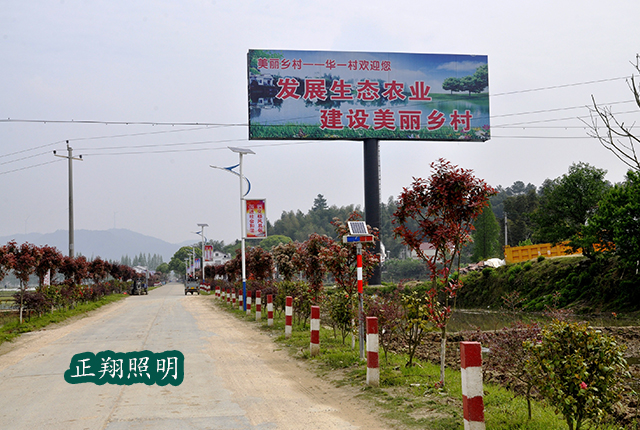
x=357, y=228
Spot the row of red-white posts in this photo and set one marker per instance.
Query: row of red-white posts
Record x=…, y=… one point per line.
x=470, y=352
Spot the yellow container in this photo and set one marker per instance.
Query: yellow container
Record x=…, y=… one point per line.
x=516, y=254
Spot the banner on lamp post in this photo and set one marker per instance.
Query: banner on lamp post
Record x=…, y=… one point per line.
x=208, y=253
x=256, y=218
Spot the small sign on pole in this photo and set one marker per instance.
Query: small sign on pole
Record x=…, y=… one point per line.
x=256, y=218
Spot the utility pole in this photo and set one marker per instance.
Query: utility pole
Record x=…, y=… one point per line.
x=70, y=158
x=202, y=226
x=506, y=242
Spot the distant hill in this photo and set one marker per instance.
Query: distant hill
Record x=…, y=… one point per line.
x=109, y=244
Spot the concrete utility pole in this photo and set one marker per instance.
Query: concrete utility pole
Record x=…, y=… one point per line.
x=506, y=242
x=202, y=226
x=70, y=158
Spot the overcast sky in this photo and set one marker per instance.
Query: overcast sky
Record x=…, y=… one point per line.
x=178, y=62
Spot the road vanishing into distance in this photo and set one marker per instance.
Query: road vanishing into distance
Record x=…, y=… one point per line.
x=235, y=377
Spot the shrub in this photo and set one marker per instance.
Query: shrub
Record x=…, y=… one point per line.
x=579, y=371
x=341, y=312
x=508, y=355
x=541, y=258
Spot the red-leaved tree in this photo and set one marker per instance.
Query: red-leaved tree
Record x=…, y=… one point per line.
x=50, y=261
x=440, y=211
x=7, y=259
x=340, y=259
x=26, y=257
x=98, y=270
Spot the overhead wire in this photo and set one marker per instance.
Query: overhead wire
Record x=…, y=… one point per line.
x=207, y=125
x=30, y=167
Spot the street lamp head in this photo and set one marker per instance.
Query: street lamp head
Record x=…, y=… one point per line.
x=203, y=225
x=243, y=151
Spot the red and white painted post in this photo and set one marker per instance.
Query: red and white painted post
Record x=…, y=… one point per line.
x=361, y=322
x=217, y=291
x=248, y=303
x=269, y=309
x=227, y=296
x=233, y=297
x=288, y=317
x=472, y=401
x=315, y=331
x=240, y=307
x=258, y=305
x=373, y=367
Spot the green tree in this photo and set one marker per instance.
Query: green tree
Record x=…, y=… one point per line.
x=320, y=203
x=177, y=263
x=481, y=79
x=617, y=221
x=396, y=270
x=392, y=244
x=274, y=240
x=566, y=205
x=452, y=84
x=579, y=370
x=486, y=237
x=519, y=209
x=163, y=268
x=497, y=200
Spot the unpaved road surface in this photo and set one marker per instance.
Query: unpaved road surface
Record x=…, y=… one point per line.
x=234, y=376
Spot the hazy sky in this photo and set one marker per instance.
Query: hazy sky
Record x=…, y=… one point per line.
x=178, y=62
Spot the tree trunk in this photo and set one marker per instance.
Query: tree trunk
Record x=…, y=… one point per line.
x=21, y=305
x=443, y=353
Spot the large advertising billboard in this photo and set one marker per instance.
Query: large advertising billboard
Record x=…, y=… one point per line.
x=359, y=95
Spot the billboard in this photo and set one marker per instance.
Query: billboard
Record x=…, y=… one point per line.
x=256, y=218
x=316, y=95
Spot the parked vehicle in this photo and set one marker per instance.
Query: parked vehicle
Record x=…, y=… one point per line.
x=139, y=287
x=191, y=285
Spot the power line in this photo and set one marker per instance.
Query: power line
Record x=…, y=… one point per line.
x=72, y=121
x=31, y=149
x=29, y=167
x=155, y=145
x=553, y=87
x=557, y=109
x=24, y=158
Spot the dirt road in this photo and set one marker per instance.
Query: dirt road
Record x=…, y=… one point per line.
x=234, y=376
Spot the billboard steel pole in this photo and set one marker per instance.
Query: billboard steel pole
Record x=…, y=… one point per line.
x=372, y=195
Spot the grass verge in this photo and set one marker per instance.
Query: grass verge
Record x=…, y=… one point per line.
x=12, y=328
x=408, y=398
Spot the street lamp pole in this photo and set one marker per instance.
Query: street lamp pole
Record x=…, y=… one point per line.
x=202, y=226
x=241, y=152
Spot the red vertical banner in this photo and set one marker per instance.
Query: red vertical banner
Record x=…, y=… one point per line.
x=256, y=218
x=208, y=253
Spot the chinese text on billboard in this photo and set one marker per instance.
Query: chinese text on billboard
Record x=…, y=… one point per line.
x=350, y=95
